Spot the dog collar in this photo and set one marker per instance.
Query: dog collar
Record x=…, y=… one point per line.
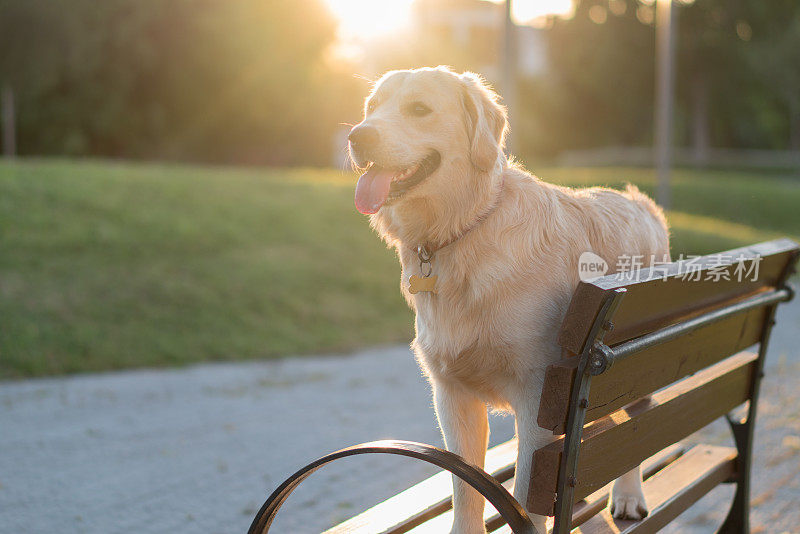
x=425, y=251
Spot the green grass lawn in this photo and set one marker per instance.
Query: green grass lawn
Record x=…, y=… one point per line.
x=113, y=265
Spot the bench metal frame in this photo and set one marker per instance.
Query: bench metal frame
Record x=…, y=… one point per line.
x=738, y=519
x=597, y=358
x=508, y=507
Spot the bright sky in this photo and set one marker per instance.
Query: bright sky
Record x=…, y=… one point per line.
x=369, y=18
x=525, y=11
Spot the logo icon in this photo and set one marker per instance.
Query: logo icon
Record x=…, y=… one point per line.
x=590, y=265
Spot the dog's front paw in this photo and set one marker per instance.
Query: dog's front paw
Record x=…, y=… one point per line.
x=627, y=505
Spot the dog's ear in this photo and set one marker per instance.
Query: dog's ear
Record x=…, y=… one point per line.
x=486, y=121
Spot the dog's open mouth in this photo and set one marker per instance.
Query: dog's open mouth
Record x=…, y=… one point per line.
x=380, y=186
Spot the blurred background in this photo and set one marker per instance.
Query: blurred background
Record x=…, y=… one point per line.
x=175, y=184
x=271, y=82
x=174, y=189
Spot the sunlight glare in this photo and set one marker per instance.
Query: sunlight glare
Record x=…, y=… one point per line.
x=527, y=11
x=365, y=19
x=361, y=19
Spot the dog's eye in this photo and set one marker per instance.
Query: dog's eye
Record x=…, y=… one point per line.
x=418, y=109
x=371, y=105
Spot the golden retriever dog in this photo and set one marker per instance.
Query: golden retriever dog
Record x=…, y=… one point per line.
x=493, y=252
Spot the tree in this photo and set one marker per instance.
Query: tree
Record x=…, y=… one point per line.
x=600, y=87
x=208, y=80
x=735, y=73
x=727, y=44
x=777, y=61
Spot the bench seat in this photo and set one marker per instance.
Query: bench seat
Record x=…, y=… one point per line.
x=668, y=492
x=672, y=490
x=426, y=500
x=426, y=507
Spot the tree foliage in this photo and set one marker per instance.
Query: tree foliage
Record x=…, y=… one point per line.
x=736, y=76
x=251, y=81
x=214, y=80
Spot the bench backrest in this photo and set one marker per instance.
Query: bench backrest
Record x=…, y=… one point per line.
x=633, y=334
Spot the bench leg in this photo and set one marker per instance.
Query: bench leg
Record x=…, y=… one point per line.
x=464, y=422
x=738, y=520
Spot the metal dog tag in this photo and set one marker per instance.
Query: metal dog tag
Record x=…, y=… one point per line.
x=425, y=283
x=422, y=284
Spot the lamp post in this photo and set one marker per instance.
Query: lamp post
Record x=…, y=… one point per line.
x=509, y=84
x=666, y=22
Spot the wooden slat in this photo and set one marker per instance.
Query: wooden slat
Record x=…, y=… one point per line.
x=425, y=500
x=594, y=503
x=419, y=509
x=444, y=522
x=672, y=490
x=582, y=511
x=617, y=443
x=675, y=297
x=668, y=492
x=649, y=370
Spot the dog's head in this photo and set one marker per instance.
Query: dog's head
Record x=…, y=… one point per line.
x=419, y=126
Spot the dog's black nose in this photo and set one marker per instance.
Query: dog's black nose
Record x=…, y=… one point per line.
x=364, y=138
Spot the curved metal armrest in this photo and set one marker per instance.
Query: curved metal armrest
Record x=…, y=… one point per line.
x=479, y=479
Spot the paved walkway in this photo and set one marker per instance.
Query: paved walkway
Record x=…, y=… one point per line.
x=198, y=449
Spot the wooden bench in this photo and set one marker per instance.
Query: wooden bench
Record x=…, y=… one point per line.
x=650, y=357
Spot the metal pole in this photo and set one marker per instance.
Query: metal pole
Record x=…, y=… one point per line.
x=9, y=130
x=666, y=22
x=509, y=84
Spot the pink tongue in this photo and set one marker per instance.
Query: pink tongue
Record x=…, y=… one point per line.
x=372, y=189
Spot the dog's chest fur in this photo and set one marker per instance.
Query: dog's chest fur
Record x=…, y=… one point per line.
x=489, y=326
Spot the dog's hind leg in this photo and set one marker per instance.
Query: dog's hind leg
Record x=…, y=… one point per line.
x=627, y=498
x=464, y=422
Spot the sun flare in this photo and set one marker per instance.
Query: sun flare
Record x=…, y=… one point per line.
x=370, y=18
x=525, y=11
x=373, y=18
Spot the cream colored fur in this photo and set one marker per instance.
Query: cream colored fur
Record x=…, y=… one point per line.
x=503, y=287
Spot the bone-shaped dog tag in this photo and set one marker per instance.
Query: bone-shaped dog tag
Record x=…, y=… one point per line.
x=421, y=284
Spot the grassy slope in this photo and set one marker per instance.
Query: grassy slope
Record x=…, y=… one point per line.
x=714, y=210
x=106, y=265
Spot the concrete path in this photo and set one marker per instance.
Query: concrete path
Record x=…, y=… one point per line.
x=199, y=449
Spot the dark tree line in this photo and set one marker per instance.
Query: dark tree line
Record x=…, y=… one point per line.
x=738, y=77
x=208, y=80
x=252, y=81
